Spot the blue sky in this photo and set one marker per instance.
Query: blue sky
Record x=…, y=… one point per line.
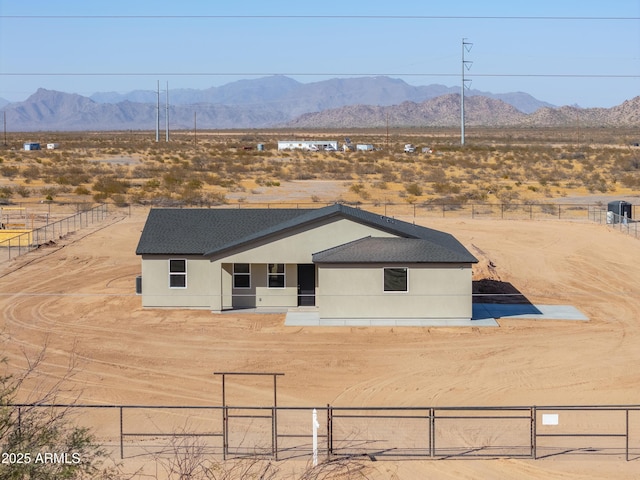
x=584, y=52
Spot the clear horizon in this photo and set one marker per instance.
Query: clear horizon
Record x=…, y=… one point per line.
x=564, y=53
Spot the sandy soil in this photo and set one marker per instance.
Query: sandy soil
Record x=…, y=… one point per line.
x=77, y=298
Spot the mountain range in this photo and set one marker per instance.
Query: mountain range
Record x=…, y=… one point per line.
x=279, y=102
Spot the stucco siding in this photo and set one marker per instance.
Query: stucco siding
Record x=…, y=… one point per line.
x=156, y=291
x=356, y=291
x=260, y=295
x=297, y=246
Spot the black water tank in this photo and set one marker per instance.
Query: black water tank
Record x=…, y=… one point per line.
x=620, y=209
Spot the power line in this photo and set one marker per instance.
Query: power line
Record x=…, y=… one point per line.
x=326, y=17
x=303, y=74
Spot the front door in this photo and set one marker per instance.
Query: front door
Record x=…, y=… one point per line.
x=306, y=285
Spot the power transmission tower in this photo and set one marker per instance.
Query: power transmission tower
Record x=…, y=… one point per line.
x=167, y=115
x=466, y=65
x=158, y=113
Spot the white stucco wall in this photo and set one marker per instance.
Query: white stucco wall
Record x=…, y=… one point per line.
x=356, y=291
x=155, y=283
x=298, y=246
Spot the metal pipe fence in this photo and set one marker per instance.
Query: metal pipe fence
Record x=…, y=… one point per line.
x=28, y=241
x=280, y=433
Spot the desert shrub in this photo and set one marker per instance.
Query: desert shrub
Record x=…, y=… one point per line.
x=107, y=186
x=9, y=171
x=37, y=430
x=389, y=176
x=507, y=197
x=630, y=180
x=150, y=185
x=23, y=191
x=6, y=192
x=628, y=164
x=32, y=172
x=408, y=174
x=356, y=188
x=446, y=188
x=49, y=192
x=119, y=200
x=413, y=189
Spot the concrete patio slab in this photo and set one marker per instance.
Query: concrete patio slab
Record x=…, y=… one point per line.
x=484, y=315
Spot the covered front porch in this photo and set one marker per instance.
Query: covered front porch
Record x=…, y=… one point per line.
x=268, y=286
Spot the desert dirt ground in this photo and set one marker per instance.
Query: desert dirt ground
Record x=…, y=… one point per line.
x=77, y=298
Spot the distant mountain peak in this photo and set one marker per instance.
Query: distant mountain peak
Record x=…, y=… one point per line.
x=281, y=101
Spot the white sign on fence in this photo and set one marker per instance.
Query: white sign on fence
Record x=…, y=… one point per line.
x=550, y=419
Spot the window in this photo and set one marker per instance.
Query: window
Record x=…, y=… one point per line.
x=396, y=280
x=241, y=275
x=275, y=275
x=177, y=274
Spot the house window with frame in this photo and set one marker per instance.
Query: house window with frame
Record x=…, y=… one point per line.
x=177, y=273
x=396, y=279
x=275, y=275
x=241, y=275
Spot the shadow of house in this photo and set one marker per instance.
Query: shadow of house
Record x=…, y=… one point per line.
x=495, y=291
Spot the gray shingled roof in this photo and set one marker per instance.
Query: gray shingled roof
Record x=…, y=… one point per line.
x=212, y=231
x=392, y=250
x=196, y=231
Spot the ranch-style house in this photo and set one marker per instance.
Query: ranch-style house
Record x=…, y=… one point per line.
x=341, y=261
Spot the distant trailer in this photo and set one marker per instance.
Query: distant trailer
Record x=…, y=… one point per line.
x=53, y=146
x=312, y=145
x=365, y=147
x=32, y=146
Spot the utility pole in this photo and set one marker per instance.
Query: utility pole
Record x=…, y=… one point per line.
x=387, y=131
x=195, y=129
x=4, y=122
x=466, y=64
x=158, y=113
x=167, y=114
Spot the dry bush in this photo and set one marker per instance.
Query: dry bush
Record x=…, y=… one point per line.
x=170, y=172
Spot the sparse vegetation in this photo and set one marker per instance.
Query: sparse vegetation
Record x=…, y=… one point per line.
x=32, y=432
x=496, y=165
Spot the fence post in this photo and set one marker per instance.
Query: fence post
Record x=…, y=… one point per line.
x=225, y=421
x=534, y=435
x=121, y=435
x=432, y=432
x=627, y=435
x=329, y=432
x=274, y=432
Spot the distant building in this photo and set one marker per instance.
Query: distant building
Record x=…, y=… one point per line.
x=53, y=146
x=312, y=145
x=367, y=147
x=31, y=146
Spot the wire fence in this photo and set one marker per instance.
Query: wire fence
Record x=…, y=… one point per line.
x=506, y=211
x=615, y=221
x=24, y=240
x=280, y=433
